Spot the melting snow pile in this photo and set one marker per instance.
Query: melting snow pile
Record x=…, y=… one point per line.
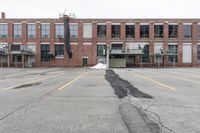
x=99, y=66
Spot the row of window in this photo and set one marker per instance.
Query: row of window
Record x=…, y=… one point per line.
x=101, y=31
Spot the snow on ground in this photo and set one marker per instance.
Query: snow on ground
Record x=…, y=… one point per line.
x=99, y=66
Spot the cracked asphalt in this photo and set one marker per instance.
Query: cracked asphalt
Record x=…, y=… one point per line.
x=76, y=100
x=176, y=103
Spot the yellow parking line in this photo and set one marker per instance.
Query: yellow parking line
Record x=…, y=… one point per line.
x=159, y=83
x=28, y=82
x=73, y=80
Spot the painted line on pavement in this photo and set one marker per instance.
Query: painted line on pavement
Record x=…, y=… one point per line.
x=154, y=81
x=70, y=82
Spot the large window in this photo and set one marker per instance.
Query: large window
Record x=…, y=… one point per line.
x=173, y=31
x=3, y=30
x=116, y=31
x=87, y=30
x=187, y=31
x=45, y=49
x=59, y=50
x=198, y=29
x=45, y=30
x=144, y=31
x=31, y=30
x=158, y=31
x=17, y=31
x=73, y=30
x=198, y=54
x=173, y=54
x=101, y=31
x=145, y=56
x=101, y=50
x=15, y=47
x=59, y=30
x=130, y=31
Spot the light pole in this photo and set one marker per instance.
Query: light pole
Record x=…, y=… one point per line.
x=107, y=56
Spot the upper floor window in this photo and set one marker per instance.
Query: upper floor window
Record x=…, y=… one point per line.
x=187, y=31
x=17, y=31
x=173, y=31
x=87, y=30
x=144, y=31
x=59, y=28
x=73, y=30
x=101, y=31
x=116, y=31
x=130, y=31
x=45, y=29
x=3, y=30
x=31, y=30
x=158, y=31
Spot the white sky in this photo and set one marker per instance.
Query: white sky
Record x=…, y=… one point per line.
x=102, y=8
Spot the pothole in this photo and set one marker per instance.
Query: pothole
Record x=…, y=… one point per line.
x=27, y=85
x=123, y=87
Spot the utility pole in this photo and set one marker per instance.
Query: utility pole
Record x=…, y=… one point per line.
x=107, y=56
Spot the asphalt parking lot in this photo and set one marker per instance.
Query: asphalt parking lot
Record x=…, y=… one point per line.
x=78, y=100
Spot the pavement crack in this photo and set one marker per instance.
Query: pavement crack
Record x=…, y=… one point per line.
x=158, y=119
x=38, y=100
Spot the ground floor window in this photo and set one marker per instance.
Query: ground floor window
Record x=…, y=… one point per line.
x=45, y=49
x=59, y=50
x=173, y=54
x=17, y=58
x=101, y=50
x=145, y=56
x=198, y=53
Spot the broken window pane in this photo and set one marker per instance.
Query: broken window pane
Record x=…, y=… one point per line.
x=158, y=31
x=130, y=31
x=101, y=31
x=116, y=31
x=173, y=31
x=144, y=31
x=187, y=31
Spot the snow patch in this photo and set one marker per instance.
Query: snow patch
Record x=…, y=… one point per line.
x=99, y=66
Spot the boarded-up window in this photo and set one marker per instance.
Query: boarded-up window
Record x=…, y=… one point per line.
x=187, y=53
x=87, y=30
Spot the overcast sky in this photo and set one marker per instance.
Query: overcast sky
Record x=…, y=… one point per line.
x=102, y=8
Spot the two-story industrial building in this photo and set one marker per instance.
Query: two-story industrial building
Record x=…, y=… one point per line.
x=73, y=42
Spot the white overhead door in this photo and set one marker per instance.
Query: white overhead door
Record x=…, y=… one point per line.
x=187, y=53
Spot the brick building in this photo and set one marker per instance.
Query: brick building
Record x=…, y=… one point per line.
x=132, y=42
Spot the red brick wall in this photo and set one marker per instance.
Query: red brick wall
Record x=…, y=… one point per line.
x=81, y=50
